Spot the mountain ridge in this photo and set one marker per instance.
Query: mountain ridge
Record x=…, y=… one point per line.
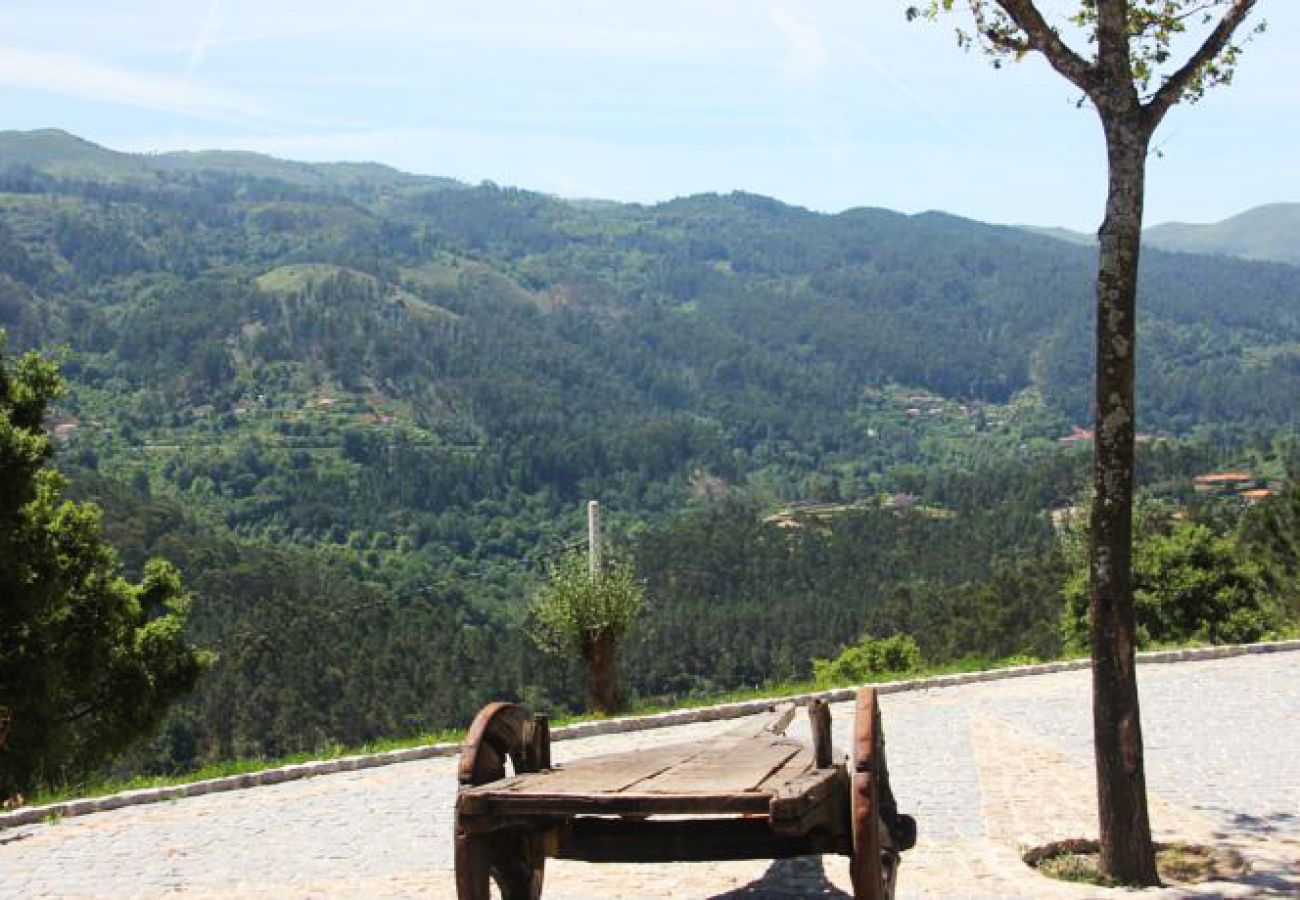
x=363, y=417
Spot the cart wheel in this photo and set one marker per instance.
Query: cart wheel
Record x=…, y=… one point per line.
x=515, y=860
x=873, y=867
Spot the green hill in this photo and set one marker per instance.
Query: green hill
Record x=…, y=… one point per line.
x=361, y=410
x=1269, y=232
x=59, y=153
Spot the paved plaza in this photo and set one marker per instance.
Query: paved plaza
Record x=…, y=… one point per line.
x=986, y=769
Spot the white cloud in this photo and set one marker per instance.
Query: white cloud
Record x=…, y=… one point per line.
x=73, y=75
x=806, y=53
x=199, y=49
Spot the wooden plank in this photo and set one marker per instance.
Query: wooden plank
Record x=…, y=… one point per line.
x=602, y=774
x=776, y=720
x=499, y=804
x=617, y=772
x=744, y=766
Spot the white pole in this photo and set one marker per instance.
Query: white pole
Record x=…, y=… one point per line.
x=593, y=539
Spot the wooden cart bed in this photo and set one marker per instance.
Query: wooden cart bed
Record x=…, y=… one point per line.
x=751, y=793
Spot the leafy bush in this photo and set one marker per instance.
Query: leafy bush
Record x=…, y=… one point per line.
x=868, y=660
x=1188, y=585
x=587, y=617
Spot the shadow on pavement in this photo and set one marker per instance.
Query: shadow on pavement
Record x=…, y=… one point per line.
x=788, y=879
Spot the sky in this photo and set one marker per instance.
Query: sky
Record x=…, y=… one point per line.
x=828, y=105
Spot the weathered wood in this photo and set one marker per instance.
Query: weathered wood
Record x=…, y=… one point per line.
x=698, y=840
x=537, y=737
x=518, y=865
x=819, y=716
x=472, y=861
x=742, y=766
x=865, y=865
x=727, y=766
x=816, y=799
x=497, y=733
x=604, y=774
x=515, y=860
x=865, y=802
x=776, y=720
x=794, y=799
x=619, y=804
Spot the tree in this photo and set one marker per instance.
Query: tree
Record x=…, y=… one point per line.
x=868, y=659
x=588, y=617
x=89, y=662
x=1188, y=584
x=1269, y=532
x=1130, y=79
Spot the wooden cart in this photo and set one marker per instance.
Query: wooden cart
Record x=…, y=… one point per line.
x=751, y=793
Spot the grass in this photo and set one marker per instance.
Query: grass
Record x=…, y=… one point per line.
x=1078, y=861
x=103, y=786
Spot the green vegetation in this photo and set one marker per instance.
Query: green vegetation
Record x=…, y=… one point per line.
x=360, y=412
x=871, y=658
x=88, y=661
x=104, y=786
x=1189, y=585
x=588, y=615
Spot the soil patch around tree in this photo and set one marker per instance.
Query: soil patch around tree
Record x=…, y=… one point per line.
x=1079, y=859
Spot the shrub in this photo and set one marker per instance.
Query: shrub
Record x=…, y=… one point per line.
x=868, y=660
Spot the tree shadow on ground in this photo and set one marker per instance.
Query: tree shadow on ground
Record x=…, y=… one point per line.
x=789, y=879
x=1271, y=874
x=1267, y=825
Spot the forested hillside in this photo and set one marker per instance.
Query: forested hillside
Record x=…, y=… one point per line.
x=1269, y=232
x=361, y=409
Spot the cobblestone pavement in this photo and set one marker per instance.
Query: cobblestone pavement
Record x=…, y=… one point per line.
x=986, y=769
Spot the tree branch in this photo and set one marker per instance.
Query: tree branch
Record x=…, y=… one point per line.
x=1042, y=37
x=1177, y=84
x=1113, y=44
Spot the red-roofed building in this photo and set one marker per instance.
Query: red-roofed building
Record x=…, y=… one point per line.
x=1225, y=482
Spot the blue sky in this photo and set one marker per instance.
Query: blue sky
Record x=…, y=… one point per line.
x=828, y=105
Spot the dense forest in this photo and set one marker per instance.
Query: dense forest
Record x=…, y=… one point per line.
x=360, y=411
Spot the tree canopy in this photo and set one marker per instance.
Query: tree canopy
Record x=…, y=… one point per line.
x=89, y=662
x=588, y=615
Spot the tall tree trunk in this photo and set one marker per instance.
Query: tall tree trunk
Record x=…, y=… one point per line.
x=602, y=677
x=1127, y=853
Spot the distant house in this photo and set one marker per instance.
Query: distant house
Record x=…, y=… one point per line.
x=1066, y=516
x=1076, y=435
x=899, y=501
x=1254, y=495
x=1224, y=484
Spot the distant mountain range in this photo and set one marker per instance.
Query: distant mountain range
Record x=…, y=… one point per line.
x=1268, y=233
x=419, y=381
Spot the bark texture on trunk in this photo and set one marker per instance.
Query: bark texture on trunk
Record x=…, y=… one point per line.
x=602, y=677
x=1127, y=853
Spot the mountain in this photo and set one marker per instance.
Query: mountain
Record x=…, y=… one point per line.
x=1063, y=234
x=1269, y=232
x=361, y=410
x=58, y=153
x=491, y=342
